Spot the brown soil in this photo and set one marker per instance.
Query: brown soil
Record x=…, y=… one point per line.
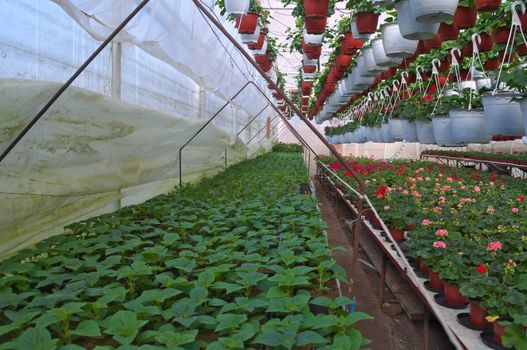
x=386, y=333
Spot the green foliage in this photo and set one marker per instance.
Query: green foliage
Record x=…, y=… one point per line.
x=288, y=148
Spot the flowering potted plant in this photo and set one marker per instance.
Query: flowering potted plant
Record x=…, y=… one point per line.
x=365, y=14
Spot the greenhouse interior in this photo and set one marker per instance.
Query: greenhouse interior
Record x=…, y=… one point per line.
x=263, y=174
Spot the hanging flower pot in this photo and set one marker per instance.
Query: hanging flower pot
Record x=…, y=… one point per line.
x=367, y=22
x=314, y=52
x=488, y=5
x=492, y=64
x=380, y=57
x=266, y=67
x=436, y=283
x=442, y=133
x=316, y=8
x=521, y=50
x=246, y=24
x=262, y=59
x=453, y=296
x=465, y=17
x=425, y=131
x=306, y=87
x=315, y=25
x=308, y=69
x=503, y=114
x=409, y=131
x=433, y=43
x=397, y=235
x=477, y=316
x=309, y=62
x=350, y=45
x=469, y=126
x=423, y=268
x=487, y=42
x=501, y=35
x=498, y=331
x=342, y=61
x=252, y=38
x=509, y=59
x=259, y=43
x=433, y=10
x=411, y=28
x=395, y=45
x=448, y=31
x=396, y=129
x=387, y=137
x=366, y=64
x=237, y=7
x=312, y=39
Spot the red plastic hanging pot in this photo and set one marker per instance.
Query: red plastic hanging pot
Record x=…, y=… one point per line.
x=492, y=64
x=397, y=235
x=259, y=43
x=306, y=87
x=498, y=331
x=350, y=45
x=412, y=78
x=343, y=61
x=448, y=31
x=314, y=54
x=262, y=59
x=315, y=25
x=421, y=48
x=246, y=24
x=367, y=22
x=487, y=42
x=436, y=283
x=501, y=35
x=501, y=54
x=488, y=5
x=266, y=67
x=433, y=43
x=305, y=100
x=478, y=316
x=523, y=20
x=309, y=69
x=453, y=296
x=466, y=50
x=465, y=17
x=442, y=80
x=521, y=50
x=423, y=268
x=316, y=8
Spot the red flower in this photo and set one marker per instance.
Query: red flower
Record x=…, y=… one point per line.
x=521, y=198
x=381, y=193
x=481, y=268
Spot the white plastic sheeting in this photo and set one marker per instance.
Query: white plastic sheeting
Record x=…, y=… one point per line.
x=91, y=153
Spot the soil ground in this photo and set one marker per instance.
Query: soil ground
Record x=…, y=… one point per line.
x=387, y=333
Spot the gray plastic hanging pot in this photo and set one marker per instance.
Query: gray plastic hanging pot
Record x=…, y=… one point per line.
x=409, y=131
x=395, y=45
x=442, y=131
x=504, y=116
x=386, y=133
x=409, y=26
x=396, y=129
x=425, y=132
x=469, y=126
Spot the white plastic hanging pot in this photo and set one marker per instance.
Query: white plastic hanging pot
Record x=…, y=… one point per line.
x=249, y=39
x=468, y=84
x=362, y=135
x=523, y=106
x=308, y=76
x=396, y=129
x=409, y=131
x=442, y=133
x=434, y=10
x=409, y=27
x=312, y=39
x=503, y=115
x=469, y=126
x=366, y=64
x=237, y=7
x=383, y=2
x=377, y=134
x=309, y=62
x=262, y=51
x=380, y=57
x=425, y=132
x=387, y=136
x=395, y=45
x=483, y=83
x=360, y=82
x=355, y=32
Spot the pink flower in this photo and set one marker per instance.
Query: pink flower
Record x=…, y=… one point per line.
x=426, y=222
x=427, y=178
x=437, y=209
x=502, y=186
x=515, y=210
x=416, y=194
x=386, y=207
x=477, y=189
x=490, y=210
x=491, y=184
x=367, y=181
x=449, y=179
x=405, y=192
x=494, y=246
x=442, y=233
x=463, y=187
x=442, y=200
x=440, y=244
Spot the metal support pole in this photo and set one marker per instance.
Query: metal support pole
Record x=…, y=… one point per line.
x=70, y=81
x=259, y=131
x=383, y=278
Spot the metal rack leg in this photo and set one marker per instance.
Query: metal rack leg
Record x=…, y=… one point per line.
x=383, y=278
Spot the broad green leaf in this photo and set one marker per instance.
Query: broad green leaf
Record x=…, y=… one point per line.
x=123, y=326
x=36, y=339
x=87, y=328
x=310, y=338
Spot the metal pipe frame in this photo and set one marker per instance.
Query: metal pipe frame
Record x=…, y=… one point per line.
x=259, y=131
x=333, y=150
x=70, y=81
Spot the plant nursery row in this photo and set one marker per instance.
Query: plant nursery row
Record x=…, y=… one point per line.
x=238, y=261
x=466, y=231
x=518, y=158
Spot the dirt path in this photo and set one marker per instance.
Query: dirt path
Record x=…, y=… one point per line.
x=387, y=333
